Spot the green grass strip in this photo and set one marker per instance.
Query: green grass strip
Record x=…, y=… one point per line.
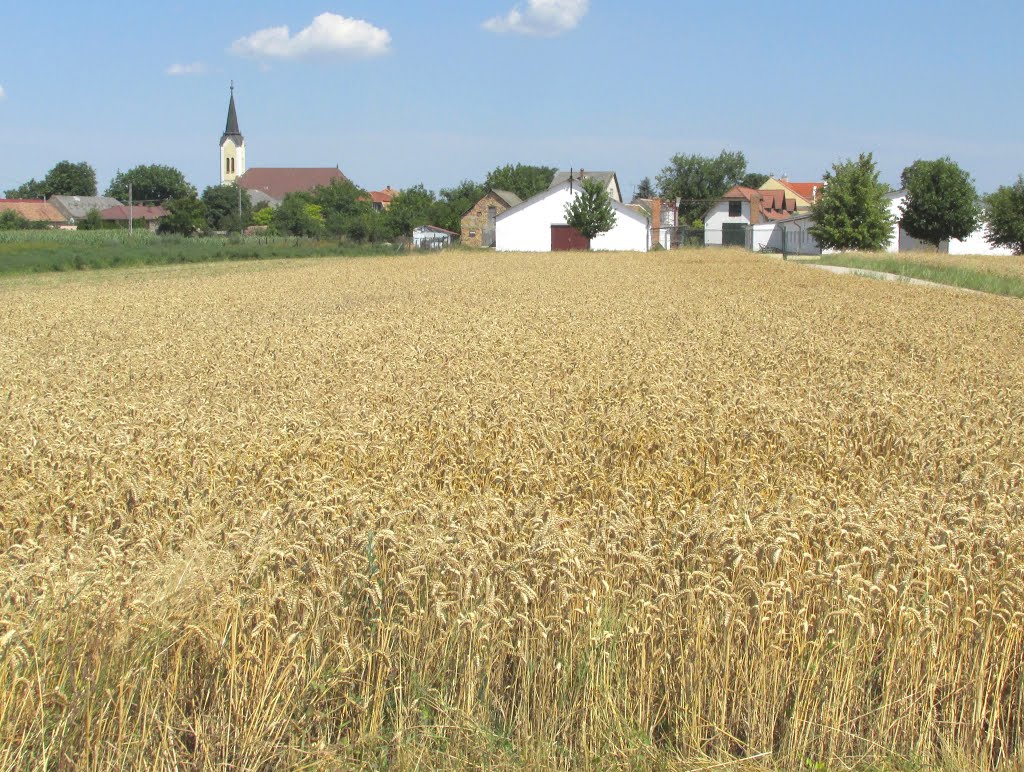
x=953, y=276
x=23, y=252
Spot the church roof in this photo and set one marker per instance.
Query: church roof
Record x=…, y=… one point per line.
x=277, y=183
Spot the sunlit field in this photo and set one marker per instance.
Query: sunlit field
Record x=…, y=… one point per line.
x=580, y=510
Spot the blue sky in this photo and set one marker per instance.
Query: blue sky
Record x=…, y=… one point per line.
x=435, y=92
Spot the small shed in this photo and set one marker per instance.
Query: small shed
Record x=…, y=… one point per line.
x=432, y=237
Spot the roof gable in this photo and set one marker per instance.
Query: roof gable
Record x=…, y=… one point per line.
x=618, y=206
x=608, y=178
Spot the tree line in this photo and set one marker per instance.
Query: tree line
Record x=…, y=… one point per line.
x=852, y=212
x=339, y=210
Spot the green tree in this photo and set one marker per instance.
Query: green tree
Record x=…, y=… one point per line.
x=64, y=179
x=454, y=202
x=853, y=211
x=941, y=201
x=343, y=207
x=753, y=180
x=298, y=215
x=187, y=216
x=263, y=215
x=522, y=179
x=31, y=189
x=70, y=179
x=1005, y=215
x=411, y=208
x=91, y=222
x=222, y=204
x=699, y=181
x=151, y=184
x=13, y=221
x=644, y=190
x=591, y=212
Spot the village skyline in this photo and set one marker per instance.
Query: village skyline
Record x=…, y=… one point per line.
x=402, y=94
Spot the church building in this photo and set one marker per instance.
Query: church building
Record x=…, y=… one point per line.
x=265, y=184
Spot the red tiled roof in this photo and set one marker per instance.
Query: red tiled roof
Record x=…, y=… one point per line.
x=772, y=204
x=32, y=209
x=383, y=196
x=137, y=212
x=806, y=190
x=739, y=192
x=277, y=183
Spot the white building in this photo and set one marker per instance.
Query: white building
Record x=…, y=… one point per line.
x=975, y=244
x=792, y=236
x=731, y=220
x=538, y=225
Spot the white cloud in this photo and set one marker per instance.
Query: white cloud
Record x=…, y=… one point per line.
x=2, y=92
x=196, y=68
x=545, y=18
x=328, y=35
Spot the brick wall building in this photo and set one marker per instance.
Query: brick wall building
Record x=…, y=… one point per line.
x=478, y=222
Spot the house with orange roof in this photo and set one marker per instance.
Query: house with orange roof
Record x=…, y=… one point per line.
x=381, y=199
x=728, y=221
x=805, y=194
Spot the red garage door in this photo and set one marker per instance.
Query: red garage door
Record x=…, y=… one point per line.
x=565, y=237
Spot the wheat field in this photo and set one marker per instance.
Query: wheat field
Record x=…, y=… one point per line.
x=678, y=510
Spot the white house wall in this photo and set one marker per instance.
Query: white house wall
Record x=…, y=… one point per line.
x=717, y=216
x=975, y=244
x=527, y=227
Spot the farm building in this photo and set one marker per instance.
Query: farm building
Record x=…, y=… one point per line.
x=74, y=208
x=122, y=214
x=432, y=237
x=610, y=180
x=538, y=225
x=34, y=210
x=478, y=221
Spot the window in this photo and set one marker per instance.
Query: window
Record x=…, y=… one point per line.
x=735, y=208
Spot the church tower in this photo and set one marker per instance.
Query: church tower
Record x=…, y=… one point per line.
x=232, y=146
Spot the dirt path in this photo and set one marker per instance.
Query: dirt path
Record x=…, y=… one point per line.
x=880, y=275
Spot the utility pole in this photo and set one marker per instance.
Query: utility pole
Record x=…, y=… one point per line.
x=131, y=218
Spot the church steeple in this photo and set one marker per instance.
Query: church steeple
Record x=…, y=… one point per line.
x=232, y=146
